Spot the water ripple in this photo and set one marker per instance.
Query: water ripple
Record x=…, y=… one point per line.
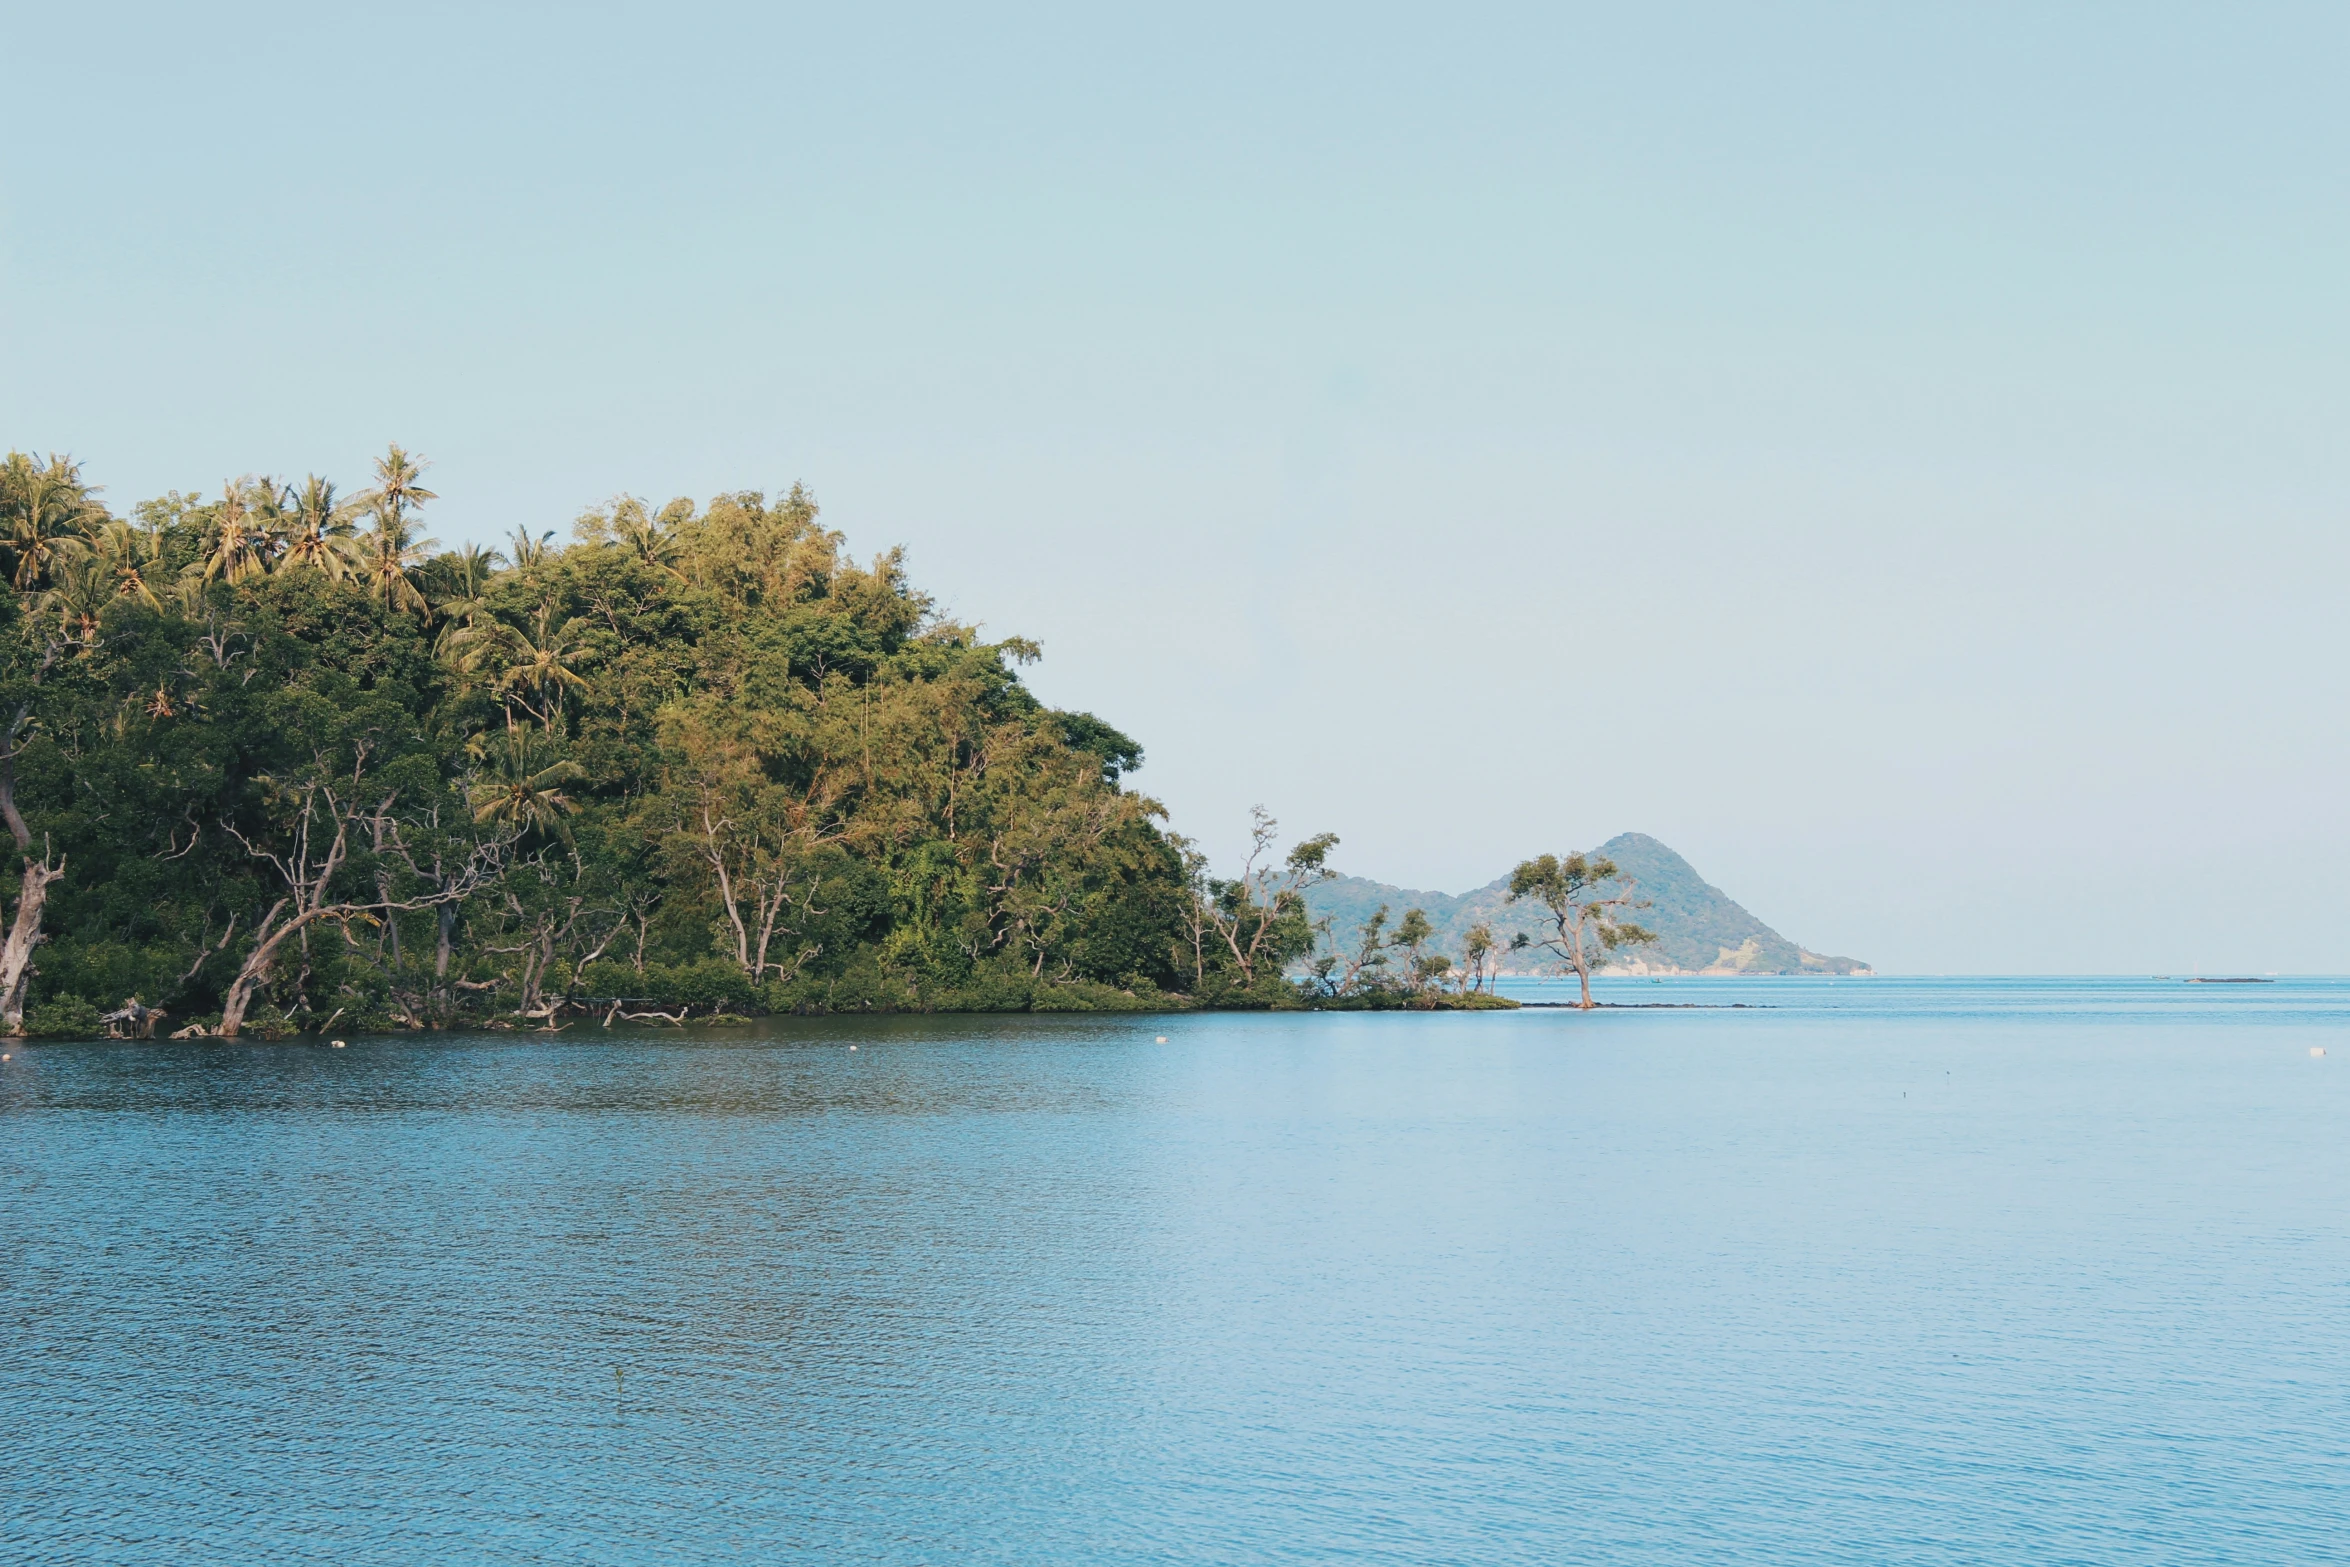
x=1985, y=1281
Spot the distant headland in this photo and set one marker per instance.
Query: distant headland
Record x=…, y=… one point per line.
x=1699, y=928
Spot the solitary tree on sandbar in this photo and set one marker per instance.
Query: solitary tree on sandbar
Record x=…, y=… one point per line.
x=1587, y=899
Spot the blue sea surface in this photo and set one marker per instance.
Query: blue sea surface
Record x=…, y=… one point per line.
x=1864, y=1271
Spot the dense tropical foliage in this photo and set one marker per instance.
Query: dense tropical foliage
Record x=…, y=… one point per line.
x=273, y=761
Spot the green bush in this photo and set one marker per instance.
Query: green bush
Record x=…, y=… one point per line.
x=268, y=1022
x=64, y=1017
x=987, y=990
x=1084, y=995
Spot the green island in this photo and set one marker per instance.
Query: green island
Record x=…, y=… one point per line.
x=274, y=763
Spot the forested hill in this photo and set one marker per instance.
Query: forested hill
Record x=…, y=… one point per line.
x=274, y=761
x=1700, y=930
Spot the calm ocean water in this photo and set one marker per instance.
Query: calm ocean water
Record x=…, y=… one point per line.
x=1871, y=1272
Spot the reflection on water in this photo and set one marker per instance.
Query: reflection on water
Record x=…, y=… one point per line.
x=1881, y=1270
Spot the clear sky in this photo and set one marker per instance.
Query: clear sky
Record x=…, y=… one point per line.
x=1892, y=454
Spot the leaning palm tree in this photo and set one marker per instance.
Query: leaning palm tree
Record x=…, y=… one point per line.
x=318, y=531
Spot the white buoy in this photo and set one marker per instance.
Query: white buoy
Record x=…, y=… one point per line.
x=1162, y=1039
x=2317, y=1050
x=852, y=1047
x=338, y=1044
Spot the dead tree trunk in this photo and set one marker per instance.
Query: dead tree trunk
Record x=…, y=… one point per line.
x=314, y=848
x=24, y=932
x=255, y=970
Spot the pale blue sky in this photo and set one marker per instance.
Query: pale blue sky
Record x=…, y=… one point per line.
x=1893, y=455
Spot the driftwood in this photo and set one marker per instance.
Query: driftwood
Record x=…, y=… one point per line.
x=132, y=1020
x=651, y=1013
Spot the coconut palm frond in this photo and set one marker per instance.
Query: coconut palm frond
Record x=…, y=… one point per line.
x=131, y=559
x=318, y=535
x=244, y=535
x=532, y=551
x=396, y=492
x=47, y=513
x=385, y=561
x=522, y=788
x=79, y=591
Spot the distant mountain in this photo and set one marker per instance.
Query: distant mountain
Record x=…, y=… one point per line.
x=1699, y=929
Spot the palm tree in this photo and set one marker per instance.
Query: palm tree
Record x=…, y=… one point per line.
x=465, y=603
x=128, y=556
x=387, y=556
x=540, y=664
x=318, y=534
x=189, y=597
x=472, y=565
x=396, y=491
x=48, y=513
x=523, y=791
x=273, y=510
x=531, y=552
x=79, y=591
x=243, y=533
x=653, y=541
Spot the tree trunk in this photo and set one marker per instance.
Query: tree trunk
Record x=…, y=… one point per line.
x=24, y=934
x=240, y=996
x=734, y=916
x=255, y=970
x=1581, y=958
